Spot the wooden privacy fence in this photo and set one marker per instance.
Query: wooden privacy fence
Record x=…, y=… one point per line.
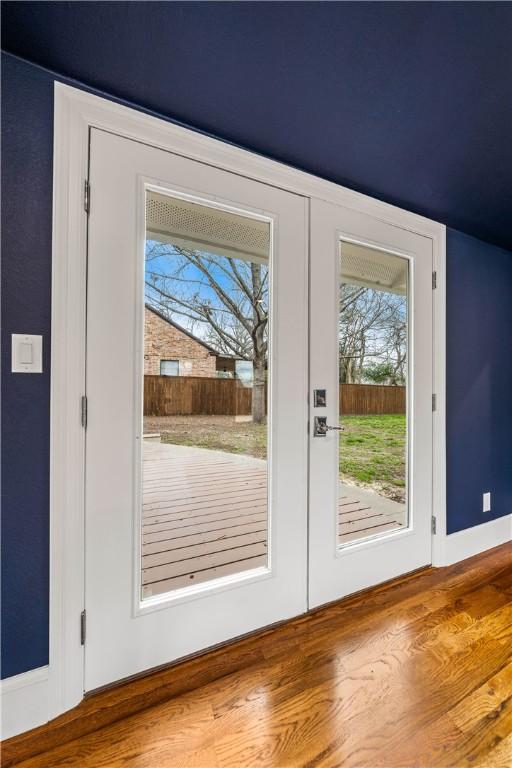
x=365, y=399
x=195, y=396
x=201, y=396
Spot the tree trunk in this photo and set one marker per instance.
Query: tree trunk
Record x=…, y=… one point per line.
x=258, y=391
x=259, y=317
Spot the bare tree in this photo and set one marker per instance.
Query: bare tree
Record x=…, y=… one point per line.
x=397, y=350
x=225, y=298
x=372, y=330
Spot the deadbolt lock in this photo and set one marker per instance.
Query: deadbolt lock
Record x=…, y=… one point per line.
x=319, y=398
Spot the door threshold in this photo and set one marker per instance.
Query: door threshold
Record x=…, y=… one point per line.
x=255, y=635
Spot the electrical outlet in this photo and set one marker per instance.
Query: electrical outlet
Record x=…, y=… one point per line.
x=487, y=502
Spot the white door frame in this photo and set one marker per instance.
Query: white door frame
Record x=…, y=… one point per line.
x=75, y=112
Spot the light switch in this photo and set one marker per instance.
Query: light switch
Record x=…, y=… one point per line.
x=27, y=353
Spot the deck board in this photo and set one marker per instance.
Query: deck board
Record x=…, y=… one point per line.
x=205, y=516
x=196, y=550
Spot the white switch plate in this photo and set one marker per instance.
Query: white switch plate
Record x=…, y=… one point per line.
x=487, y=502
x=27, y=353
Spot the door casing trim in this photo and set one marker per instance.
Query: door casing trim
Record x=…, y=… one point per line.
x=75, y=112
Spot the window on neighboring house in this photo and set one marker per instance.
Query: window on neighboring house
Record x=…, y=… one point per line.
x=169, y=368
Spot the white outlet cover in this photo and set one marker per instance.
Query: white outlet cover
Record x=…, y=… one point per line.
x=487, y=502
x=26, y=353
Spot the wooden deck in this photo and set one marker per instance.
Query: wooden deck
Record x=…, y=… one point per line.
x=205, y=516
x=363, y=513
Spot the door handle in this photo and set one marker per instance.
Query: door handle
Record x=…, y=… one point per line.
x=321, y=427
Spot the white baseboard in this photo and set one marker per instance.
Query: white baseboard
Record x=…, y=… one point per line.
x=463, y=544
x=24, y=702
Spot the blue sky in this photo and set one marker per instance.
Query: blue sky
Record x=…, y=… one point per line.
x=192, y=283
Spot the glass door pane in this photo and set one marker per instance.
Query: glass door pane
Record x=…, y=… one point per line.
x=373, y=363
x=206, y=373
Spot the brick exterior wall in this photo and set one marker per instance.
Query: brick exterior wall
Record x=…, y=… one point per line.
x=162, y=341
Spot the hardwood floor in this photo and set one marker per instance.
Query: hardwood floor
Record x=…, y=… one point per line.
x=415, y=674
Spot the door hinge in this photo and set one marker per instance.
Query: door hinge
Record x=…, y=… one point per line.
x=434, y=524
x=434, y=280
x=87, y=196
x=83, y=411
x=434, y=402
x=82, y=628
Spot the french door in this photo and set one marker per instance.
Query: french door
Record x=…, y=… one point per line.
x=196, y=442
x=370, y=443
x=201, y=330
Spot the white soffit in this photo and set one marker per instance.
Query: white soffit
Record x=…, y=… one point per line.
x=370, y=268
x=200, y=227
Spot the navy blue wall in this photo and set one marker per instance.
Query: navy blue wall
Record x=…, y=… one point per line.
x=479, y=368
x=479, y=380
x=27, y=126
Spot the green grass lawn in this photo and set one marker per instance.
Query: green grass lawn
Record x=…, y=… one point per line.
x=372, y=448
x=372, y=453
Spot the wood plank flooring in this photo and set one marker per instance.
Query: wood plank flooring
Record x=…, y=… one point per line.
x=205, y=516
x=414, y=674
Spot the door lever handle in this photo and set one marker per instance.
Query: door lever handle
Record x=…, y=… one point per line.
x=321, y=427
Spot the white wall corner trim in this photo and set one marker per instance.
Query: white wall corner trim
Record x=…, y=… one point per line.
x=463, y=544
x=439, y=389
x=24, y=702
